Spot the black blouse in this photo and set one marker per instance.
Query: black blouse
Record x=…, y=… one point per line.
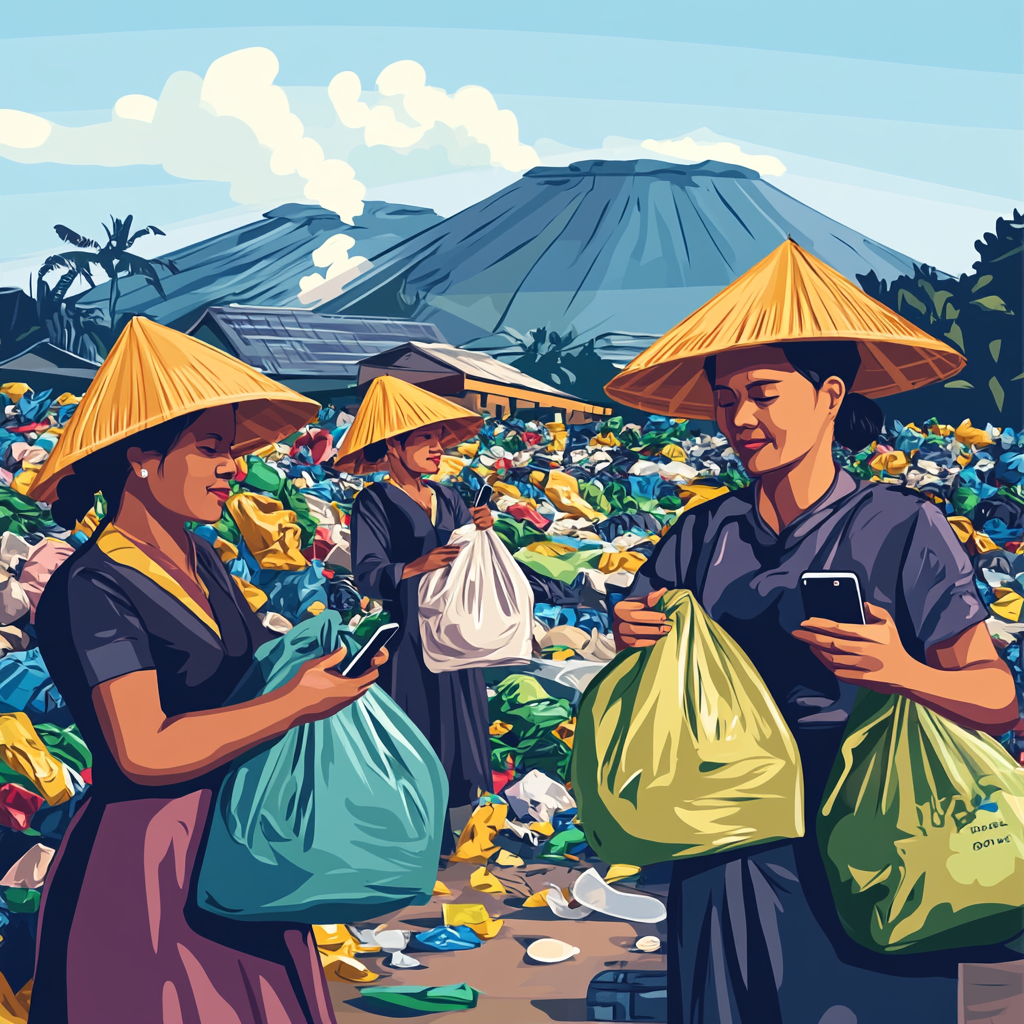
x=109, y=611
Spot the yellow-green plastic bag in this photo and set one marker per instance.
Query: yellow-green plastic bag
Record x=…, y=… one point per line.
x=680, y=749
x=922, y=831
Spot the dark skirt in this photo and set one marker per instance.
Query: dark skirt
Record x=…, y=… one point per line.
x=122, y=940
x=755, y=939
x=449, y=708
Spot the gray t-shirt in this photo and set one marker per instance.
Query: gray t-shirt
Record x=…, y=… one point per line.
x=906, y=556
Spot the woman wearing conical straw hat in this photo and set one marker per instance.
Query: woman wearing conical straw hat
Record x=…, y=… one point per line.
x=146, y=635
x=400, y=530
x=787, y=360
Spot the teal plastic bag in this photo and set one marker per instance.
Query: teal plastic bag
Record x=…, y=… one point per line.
x=338, y=820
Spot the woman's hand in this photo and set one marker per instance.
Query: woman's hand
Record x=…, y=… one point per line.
x=635, y=625
x=482, y=517
x=436, y=559
x=872, y=655
x=320, y=690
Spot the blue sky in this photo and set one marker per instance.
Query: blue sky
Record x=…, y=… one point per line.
x=902, y=118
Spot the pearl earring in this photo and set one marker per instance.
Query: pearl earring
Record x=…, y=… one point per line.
x=144, y=474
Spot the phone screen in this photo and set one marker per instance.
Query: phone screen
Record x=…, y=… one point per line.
x=834, y=596
x=359, y=663
x=483, y=496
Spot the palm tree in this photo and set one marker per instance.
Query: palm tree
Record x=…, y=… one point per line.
x=113, y=258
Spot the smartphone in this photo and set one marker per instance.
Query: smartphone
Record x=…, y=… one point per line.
x=832, y=595
x=483, y=496
x=359, y=663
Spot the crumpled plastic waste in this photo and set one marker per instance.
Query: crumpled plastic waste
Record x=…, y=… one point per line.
x=23, y=750
x=40, y=565
x=29, y=870
x=565, y=906
x=538, y=797
x=474, y=916
x=270, y=531
x=446, y=939
x=17, y=806
x=592, y=891
x=442, y=998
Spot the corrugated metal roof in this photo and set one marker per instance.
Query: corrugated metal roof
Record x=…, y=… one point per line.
x=481, y=366
x=283, y=341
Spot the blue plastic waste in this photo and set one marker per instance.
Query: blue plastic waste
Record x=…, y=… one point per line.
x=25, y=684
x=445, y=939
x=338, y=820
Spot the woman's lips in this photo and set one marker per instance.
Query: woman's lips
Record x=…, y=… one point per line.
x=220, y=495
x=753, y=446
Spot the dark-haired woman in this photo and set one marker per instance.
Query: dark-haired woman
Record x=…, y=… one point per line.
x=755, y=938
x=400, y=530
x=146, y=635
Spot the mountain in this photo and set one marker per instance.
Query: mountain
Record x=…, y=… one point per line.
x=259, y=263
x=613, y=251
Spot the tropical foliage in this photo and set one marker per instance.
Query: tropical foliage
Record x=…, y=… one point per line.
x=113, y=259
x=982, y=314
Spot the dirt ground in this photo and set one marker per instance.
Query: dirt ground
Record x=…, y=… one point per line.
x=515, y=990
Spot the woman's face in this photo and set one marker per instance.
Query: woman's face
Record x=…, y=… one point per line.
x=421, y=452
x=192, y=479
x=771, y=414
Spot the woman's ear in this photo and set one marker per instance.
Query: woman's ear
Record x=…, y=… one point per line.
x=835, y=391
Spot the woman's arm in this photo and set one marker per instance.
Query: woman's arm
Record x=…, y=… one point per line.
x=965, y=680
x=153, y=750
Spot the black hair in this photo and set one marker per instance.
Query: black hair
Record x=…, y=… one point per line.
x=106, y=471
x=378, y=450
x=859, y=420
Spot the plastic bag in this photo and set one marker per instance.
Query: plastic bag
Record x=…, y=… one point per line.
x=479, y=610
x=338, y=820
x=680, y=750
x=922, y=831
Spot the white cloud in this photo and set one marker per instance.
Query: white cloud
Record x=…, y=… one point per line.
x=727, y=152
x=234, y=125
x=416, y=110
x=23, y=131
x=333, y=255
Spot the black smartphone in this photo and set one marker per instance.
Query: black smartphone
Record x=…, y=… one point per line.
x=832, y=595
x=483, y=496
x=359, y=663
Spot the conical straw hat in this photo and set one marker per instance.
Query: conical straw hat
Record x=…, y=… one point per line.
x=154, y=374
x=789, y=296
x=391, y=407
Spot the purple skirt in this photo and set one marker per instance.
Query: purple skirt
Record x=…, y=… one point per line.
x=121, y=939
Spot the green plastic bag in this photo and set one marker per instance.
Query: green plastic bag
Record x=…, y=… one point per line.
x=338, y=820
x=680, y=750
x=422, y=998
x=922, y=831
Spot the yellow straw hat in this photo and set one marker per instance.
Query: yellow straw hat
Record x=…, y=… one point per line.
x=393, y=406
x=154, y=374
x=789, y=296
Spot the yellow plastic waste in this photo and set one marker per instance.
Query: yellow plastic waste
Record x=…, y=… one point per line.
x=271, y=532
x=254, y=597
x=565, y=732
x=225, y=549
x=476, y=843
x=559, y=435
x=674, y=452
x=469, y=448
x=483, y=881
x=89, y=523
x=507, y=490
x=976, y=542
x=506, y=859
x=537, y=899
x=696, y=494
x=347, y=968
x=15, y=392
x=23, y=481
x=542, y=828
x=68, y=399
x=473, y=915
x=23, y=750
x=922, y=831
x=969, y=435
x=316, y=608
x=550, y=548
x=334, y=940
x=1008, y=604
x=563, y=491
x=608, y=440
x=440, y=889
x=680, y=749
x=893, y=463
x=617, y=872
x=612, y=561
x=498, y=728
x=14, y=1008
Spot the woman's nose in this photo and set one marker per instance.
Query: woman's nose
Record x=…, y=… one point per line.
x=745, y=414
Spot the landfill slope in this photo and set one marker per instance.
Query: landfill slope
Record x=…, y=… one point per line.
x=601, y=248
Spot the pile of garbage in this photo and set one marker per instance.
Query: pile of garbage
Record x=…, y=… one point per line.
x=580, y=507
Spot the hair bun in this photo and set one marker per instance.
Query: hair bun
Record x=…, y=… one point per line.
x=858, y=422
x=74, y=499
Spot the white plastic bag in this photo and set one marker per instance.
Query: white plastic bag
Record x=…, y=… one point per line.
x=537, y=797
x=478, y=611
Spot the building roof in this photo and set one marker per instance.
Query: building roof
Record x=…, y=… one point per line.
x=45, y=365
x=285, y=342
